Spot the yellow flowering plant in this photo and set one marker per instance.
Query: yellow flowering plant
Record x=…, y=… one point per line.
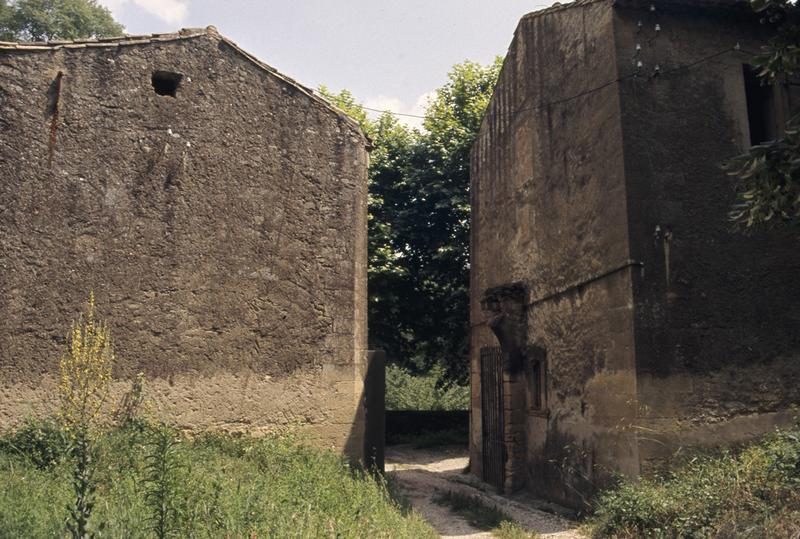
x=85, y=379
x=85, y=370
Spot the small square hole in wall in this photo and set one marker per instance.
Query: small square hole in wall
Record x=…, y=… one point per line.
x=166, y=82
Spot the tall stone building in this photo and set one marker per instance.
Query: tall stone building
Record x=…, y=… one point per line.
x=617, y=318
x=217, y=209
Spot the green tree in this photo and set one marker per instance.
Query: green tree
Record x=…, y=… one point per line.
x=768, y=175
x=347, y=102
x=6, y=21
x=44, y=20
x=434, y=231
x=419, y=224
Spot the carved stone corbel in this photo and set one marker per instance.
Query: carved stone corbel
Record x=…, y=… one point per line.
x=505, y=307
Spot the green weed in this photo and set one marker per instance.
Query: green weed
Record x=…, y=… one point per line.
x=751, y=493
x=211, y=486
x=163, y=479
x=43, y=443
x=512, y=530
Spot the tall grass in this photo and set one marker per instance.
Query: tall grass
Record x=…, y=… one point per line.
x=752, y=493
x=152, y=482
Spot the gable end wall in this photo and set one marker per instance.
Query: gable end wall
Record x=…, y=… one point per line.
x=223, y=233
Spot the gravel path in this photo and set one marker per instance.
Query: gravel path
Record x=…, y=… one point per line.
x=423, y=473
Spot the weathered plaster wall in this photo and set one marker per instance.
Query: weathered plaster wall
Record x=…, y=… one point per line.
x=549, y=210
x=682, y=332
x=717, y=312
x=223, y=232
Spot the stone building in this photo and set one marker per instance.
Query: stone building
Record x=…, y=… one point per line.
x=617, y=318
x=217, y=209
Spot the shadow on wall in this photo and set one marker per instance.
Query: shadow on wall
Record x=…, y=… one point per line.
x=366, y=441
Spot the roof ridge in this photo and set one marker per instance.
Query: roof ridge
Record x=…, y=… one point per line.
x=184, y=33
x=703, y=4
x=558, y=6
x=304, y=89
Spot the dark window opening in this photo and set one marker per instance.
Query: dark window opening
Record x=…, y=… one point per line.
x=762, y=113
x=166, y=82
x=537, y=385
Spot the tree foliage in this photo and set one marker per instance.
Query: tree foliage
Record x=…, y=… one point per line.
x=768, y=188
x=419, y=224
x=6, y=21
x=45, y=20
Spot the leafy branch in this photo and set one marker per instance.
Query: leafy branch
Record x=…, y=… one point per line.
x=768, y=187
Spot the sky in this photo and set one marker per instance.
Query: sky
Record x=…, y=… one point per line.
x=391, y=54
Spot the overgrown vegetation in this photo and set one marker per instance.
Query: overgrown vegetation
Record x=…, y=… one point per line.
x=405, y=391
x=153, y=482
x=483, y=515
x=76, y=474
x=751, y=493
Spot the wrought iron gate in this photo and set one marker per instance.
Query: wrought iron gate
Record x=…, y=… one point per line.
x=492, y=416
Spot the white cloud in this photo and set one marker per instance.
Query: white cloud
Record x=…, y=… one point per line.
x=394, y=104
x=384, y=102
x=170, y=11
x=422, y=102
x=112, y=5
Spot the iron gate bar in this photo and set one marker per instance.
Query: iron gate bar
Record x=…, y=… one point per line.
x=492, y=417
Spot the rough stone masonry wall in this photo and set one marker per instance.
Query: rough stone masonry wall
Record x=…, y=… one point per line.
x=223, y=232
x=549, y=210
x=717, y=311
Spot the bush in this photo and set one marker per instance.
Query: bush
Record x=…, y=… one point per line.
x=752, y=493
x=407, y=392
x=213, y=486
x=43, y=443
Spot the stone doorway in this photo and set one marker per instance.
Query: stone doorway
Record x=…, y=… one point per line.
x=502, y=392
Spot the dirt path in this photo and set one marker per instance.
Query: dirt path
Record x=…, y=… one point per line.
x=423, y=473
